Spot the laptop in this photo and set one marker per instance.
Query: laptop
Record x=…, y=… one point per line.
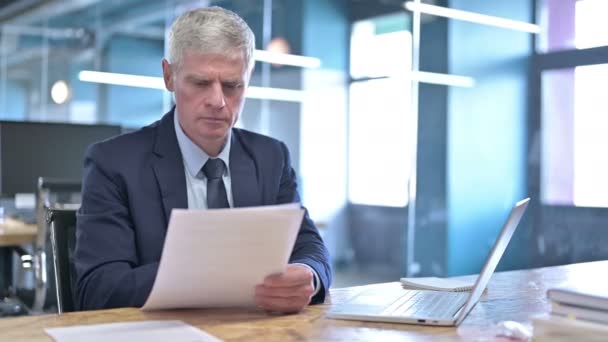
x=428, y=307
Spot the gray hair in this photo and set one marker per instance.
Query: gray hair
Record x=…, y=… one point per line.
x=210, y=30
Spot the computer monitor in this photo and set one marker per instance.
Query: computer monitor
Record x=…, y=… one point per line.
x=29, y=150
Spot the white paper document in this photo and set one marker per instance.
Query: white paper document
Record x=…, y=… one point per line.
x=215, y=258
x=149, y=331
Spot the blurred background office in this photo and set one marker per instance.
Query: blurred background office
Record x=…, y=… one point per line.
x=414, y=126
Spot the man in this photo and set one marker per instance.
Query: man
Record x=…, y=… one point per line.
x=190, y=158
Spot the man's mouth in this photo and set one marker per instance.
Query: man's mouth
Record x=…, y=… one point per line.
x=213, y=119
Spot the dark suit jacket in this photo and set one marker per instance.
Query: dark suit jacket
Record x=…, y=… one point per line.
x=130, y=185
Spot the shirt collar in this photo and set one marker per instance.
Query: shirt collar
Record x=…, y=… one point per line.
x=194, y=156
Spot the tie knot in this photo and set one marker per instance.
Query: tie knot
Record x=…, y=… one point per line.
x=214, y=168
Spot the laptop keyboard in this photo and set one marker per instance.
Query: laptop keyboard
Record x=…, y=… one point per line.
x=427, y=304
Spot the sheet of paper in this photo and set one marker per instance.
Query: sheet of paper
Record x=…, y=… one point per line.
x=214, y=258
x=149, y=331
x=557, y=328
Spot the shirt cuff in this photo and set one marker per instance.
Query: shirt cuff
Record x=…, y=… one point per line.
x=316, y=278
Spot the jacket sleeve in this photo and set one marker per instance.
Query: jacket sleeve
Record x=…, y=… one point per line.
x=309, y=248
x=108, y=272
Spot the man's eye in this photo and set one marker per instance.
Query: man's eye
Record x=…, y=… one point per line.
x=201, y=83
x=232, y=85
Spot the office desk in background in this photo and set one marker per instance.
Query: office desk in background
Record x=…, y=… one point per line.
x=16, y=233
x=13, y=233
x=513, y=295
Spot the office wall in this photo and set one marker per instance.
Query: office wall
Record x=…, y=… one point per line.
x=567, y=226
x=486, y=137
x=326, y=35
x=83, y=104
x=279, y=119
x=430, y=245
x=16, y=106
x=129, y=106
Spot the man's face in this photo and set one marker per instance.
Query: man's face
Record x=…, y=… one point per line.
x=209, y=95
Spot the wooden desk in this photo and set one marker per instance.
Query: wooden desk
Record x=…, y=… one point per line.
x=12, y=233
x=514, y=295
x=16, y=233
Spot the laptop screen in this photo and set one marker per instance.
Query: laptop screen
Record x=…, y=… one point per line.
x=495, y=255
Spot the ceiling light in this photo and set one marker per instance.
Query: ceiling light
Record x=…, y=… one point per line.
x=471, y=17
x=122, y=79
x=443, y=79
x=276, y=94
x=60, y=92
x=286, y=59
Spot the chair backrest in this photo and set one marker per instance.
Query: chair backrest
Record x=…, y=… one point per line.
x=50, y=192
x=62, y=223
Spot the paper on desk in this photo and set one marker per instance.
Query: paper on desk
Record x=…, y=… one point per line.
x=552, y=327
x=214, y=258
x=149, y=331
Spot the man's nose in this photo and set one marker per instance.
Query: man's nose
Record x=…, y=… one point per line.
x=215, y=97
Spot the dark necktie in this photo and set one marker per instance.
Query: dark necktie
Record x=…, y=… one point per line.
x=216, y=192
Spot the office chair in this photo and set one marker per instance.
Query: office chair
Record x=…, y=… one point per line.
x=21, y=298
x=55, y=193
x=62, y=223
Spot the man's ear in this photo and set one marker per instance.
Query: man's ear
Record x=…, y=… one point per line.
x=168, y=75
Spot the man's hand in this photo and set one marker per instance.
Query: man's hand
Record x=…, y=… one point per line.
x=288, y=292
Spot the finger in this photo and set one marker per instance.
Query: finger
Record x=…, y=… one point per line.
x=291, y=291
x=283, y=300
x=293, y=276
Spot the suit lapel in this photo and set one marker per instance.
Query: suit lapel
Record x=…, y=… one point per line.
x=244, y=174
x=169, y=167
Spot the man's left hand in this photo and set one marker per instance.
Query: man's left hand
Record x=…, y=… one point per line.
x=288, y=292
